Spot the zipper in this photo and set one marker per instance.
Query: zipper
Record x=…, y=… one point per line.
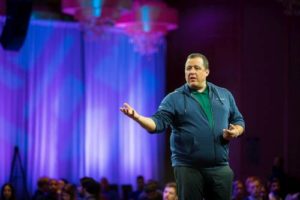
x=201, y=110
x=213, y=122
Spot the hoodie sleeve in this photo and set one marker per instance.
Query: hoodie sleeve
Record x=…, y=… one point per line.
x=165, y=114
x=235, y=115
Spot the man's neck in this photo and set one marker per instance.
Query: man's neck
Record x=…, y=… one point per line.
x=201, y=88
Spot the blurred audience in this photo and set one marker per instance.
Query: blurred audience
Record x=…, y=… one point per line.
x=89, y=189
x=295, y=196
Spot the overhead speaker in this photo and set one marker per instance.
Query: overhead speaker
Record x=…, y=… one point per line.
x=16, y=24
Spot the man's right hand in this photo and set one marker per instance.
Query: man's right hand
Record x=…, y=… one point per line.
x=146, y=122
x=129, y=111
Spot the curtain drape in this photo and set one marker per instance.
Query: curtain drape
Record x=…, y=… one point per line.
x=60, y=99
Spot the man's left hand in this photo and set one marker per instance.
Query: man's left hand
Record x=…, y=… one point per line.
x=232, y=132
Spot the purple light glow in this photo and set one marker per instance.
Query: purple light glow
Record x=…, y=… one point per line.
x=70, y=94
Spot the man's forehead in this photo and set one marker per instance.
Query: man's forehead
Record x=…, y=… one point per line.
x=194, y=61
x=169, y=188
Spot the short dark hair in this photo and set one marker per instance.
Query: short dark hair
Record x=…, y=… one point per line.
x=151, y=186
x=90, y=185
x=199, y=55
x=70, y=189
x=43, y=182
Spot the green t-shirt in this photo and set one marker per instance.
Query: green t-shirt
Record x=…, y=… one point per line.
x=203, y=99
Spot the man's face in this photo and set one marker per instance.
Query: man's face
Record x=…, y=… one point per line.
x=254, y=188
x=195, y=72
x=66, y=196
x=7, y=192
x=81, y=191
x=170, y=193
x=275, y=187
x=140, y=183
x=238, y=189
x=60, y=184
x=53, y=186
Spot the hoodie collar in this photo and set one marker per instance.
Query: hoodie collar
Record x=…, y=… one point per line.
x=185, y=89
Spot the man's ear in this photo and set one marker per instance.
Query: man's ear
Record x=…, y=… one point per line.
x=207, y=72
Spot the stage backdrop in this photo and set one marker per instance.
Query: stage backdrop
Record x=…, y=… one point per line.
x=59, y=103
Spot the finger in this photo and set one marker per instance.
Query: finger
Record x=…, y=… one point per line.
x=231, y=126
x=226, y=131
x=122, y=108
x=126, y=105
x=126, y=111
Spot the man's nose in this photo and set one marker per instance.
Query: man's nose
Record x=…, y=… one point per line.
x=193, y=70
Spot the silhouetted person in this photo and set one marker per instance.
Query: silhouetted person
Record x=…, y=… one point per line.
x=140, y=182
x=151, y=191
x=106, y=192
x=275, y=190
x=90, y=188
x=278, y=173
x=42, y=189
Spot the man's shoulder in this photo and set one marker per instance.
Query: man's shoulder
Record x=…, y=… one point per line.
x=219, y=89
x=177, y=91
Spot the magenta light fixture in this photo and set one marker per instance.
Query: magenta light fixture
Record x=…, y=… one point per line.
x=146, y=22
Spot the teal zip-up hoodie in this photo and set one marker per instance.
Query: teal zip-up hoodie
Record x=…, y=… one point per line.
x=193, y=142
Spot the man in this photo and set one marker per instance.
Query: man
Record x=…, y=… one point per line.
x=253, y=185
x=89, y=189
x=238, y=190
x=275, y=190
x=42, y=190
x=203, y=118
x=151, y=191
x=170, y=192
x=140, y=188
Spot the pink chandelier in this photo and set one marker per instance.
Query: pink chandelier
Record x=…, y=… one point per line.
x=146, y=22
